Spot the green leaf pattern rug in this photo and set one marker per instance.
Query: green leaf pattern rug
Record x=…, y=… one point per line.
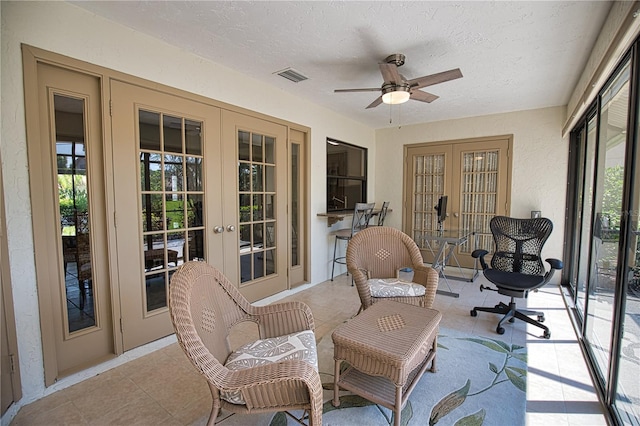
x=479, y=381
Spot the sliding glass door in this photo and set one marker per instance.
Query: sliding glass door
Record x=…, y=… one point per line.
x=602, y=240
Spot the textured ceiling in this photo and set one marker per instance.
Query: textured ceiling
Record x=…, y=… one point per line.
x=513, y=55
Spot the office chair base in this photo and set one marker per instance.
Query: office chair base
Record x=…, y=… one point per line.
x=511, y=314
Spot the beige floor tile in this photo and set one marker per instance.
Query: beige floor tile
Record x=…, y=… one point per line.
x=141, y=410
x=45, y=404
x=107, y=397
x=64, y=414
x=163, y=387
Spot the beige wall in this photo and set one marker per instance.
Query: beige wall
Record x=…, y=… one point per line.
x=540, y=158
x=68, y=30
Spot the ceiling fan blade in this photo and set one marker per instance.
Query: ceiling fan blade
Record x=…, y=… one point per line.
x=371, y=89
x=375, y=103
x=429, y=80
x=390, y=73
x=419, y=95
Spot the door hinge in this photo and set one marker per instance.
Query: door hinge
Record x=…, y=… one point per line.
x=115, y=221
x=121, y=329
x=110, y=108
x=12, y=363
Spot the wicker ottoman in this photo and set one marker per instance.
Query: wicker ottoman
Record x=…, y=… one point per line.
x=388, y=347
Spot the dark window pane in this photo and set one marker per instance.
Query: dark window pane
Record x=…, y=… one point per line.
x=149, y=124
x=172, y=127
x=258, y=265
x=245, y=208
x=243, y=146
x=193, y=173
x=269, y=150
x=173, y=172
x=256, y=148
x=257, y=207
x=196, y=245
x=257, y=177
x=345, y=160
x=193, y=137
x=194, y=210
x=152, y=217
x=344, y=193
x=245, y=268
x=150, y=172
x=244, y=177
x=174, y=211
x=156, y=289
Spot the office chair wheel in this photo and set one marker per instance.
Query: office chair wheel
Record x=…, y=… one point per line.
x=500, y=330
x=474, y=313
x=540, y=318
x=512, y=320
x=547, y=334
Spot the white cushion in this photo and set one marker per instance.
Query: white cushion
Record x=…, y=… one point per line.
x=394, y=287
x=301, y=345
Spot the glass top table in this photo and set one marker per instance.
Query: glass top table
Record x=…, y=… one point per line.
x=444, y=253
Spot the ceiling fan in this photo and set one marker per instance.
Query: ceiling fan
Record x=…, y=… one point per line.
x=396, y=89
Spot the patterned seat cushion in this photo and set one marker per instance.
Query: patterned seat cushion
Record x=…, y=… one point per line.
x=394, y=287
x=301, y=345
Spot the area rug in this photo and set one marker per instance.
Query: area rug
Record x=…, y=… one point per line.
x=479, y=381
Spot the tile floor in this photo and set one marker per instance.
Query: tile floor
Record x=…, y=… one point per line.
x=162, y=388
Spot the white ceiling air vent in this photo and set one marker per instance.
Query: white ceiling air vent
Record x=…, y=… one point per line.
x=291, y=74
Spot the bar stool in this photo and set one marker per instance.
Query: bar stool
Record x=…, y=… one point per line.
x=383, y=213
x=361, y=217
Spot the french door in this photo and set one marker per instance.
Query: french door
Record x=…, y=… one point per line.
x=255, y=153
x=474, y=175
x=188, y=187
x=69, y=221
x=168, y=184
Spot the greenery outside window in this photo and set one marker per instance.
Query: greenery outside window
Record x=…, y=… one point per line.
x=346, y=175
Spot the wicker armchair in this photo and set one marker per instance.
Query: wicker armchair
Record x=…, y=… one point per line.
x=204, y=306
x=375, y=256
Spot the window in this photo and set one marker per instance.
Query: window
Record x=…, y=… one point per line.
x=346, y=175
x=602, y=231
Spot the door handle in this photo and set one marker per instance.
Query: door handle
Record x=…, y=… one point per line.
x=456, y=214
x=231, y=228
x=218, y=229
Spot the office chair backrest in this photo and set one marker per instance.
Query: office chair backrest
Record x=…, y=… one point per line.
x=361, y=216
x=519, y=244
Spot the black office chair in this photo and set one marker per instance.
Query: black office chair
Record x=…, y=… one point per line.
x=516, y=266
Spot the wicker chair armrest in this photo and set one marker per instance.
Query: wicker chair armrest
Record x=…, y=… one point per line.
x=360, y=278
x=279, y=319
x=428, y=277
x=259, y=385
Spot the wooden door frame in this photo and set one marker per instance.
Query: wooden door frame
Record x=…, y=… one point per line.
x=31, y=57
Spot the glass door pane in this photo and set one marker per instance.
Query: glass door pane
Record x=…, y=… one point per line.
x=479, y=195
x=172, y=196
x=606, y=227
x=584, y=219
x=75, y=220
x=627, y=392
x=257, y=197
x=428, y=187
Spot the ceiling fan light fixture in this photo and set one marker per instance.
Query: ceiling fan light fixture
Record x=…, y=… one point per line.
x=395, y=94
x=396, y=97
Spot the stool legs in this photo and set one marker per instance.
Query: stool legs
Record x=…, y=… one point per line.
x=333, y=264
